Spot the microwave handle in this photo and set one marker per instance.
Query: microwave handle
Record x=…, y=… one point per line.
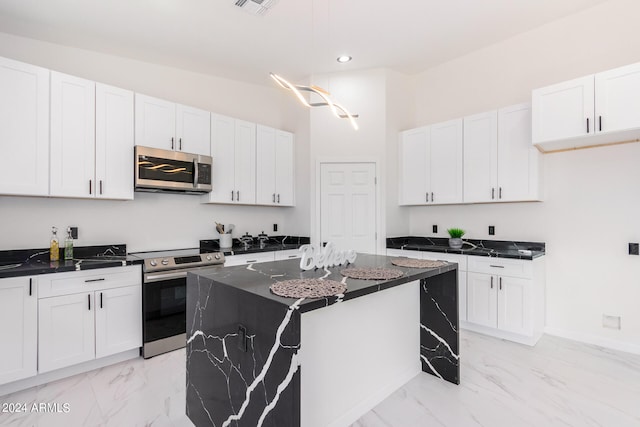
x=195, y=173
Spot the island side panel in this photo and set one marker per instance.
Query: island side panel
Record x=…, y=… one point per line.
x=236, y=382
x=439, y=326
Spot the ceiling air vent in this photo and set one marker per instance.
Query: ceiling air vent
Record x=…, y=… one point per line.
x=256, y=7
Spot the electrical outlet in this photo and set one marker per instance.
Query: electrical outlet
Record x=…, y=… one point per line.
x=275, y=227
x=74, y=232
x=611, y=322
x=435, y=229
x=634, y=249
x=492, y=230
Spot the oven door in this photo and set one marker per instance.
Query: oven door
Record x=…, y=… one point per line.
x=171, y=171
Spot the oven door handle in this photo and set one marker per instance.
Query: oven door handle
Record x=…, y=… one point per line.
x=150, y=278
x=195, y=173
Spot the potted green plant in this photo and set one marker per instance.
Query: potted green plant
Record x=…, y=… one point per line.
x=455, y=240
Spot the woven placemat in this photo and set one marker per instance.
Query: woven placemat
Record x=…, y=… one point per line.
x=417, y=263
x=372, y=273
x=308, y=288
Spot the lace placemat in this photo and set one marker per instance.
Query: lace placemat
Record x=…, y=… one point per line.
x=372, y=273
x=417, y=263
x=308, y=288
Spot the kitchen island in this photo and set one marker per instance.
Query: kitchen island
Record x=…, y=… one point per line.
x=255, y=358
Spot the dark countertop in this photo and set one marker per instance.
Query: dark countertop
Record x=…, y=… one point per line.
x=30, y=262
x=275, y=243
x=256, y=278
x=490, y=248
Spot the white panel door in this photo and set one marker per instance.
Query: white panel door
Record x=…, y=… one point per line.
x=518, y=159
x=618, y=99
x=18, y=329
x=564, y=110
x=114, y=142
x=445, y=163
x=265, y=165
x=66, y=333
x=285, y=188
x=414, y=169
x=72, y=168
x=155, y=124
x=193, y=130
x=482, y=299
x=118, y=320
x=481, y=157
x=348, y=206
x=514, y=305
x=24, y=129
x=245, y=163
x=223, y=131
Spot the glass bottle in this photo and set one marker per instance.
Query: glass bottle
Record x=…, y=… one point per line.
x=68, y=245
x=54, y=246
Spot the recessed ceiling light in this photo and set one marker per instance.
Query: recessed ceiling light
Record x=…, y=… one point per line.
x=344, y=58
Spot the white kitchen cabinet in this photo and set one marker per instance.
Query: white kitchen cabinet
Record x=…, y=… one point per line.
x=72, y=168
x=515, y=305
x=274, y=167
x=169, y=126
x=24, y=129
x=233, y=148
x=18, y=329
x=482, y=299
x=288, y=254
x=500, y=164
x=244, y=259
x=601, y=108
x=431, y=164
x=118, y=320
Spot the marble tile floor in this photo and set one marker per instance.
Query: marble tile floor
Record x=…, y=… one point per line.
x=557, y=383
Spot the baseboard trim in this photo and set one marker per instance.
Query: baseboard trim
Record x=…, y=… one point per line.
x=594, y=340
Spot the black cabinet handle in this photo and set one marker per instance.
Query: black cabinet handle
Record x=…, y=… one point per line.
x=274, y=197
x=232, y=195
x=172, y=145
x=90, y=187
x=278, y=198
x=100, y=186
x=600, y=123
x=493, y=193
x=180, y=142
x=238, y=195
x=432, y=197
x=500, y=193
x=94, y=280
x=427, y=197
x=491, y=282
x=587, y=125
x=30, y=286
x=496, y=266
x=500, y=281
x=89, y=301
x=100, y=299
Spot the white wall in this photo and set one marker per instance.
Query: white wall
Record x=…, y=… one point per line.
x=155, y=221
x=592, y=205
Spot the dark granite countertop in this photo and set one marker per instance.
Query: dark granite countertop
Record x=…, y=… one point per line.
x=490, y=248
x=275, y=243
x=256, y=278
x=30, y=262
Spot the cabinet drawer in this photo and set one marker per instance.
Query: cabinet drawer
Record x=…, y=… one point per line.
x=501, y=266
x=460, y=259
x=289, y=254
x=403, y=253
x=57, y=284
x=248, y=259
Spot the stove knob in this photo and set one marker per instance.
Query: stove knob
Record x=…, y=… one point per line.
x=153, y=263
x=208, y=257
x=165, y=261
x=217, y=256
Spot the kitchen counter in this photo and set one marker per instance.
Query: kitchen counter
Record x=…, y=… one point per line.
x=29, y=262
x=490, y=248
x=275, y=243
x=243, y=362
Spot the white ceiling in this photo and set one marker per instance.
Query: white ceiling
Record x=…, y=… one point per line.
x=295, y=39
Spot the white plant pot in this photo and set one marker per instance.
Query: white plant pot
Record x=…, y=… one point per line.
x=455, y=243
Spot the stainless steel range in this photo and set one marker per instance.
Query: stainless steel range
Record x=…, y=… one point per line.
x=164, y=296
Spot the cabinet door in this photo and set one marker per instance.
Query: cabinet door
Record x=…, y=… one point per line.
x=518, y=160
x=265, y=165
x=414, y=171
x=462, y=295
x=445, y=163
x=114, y=143
x=24, y=129
x=155, y=124
x=245, y=163
x=514, y=305
x=118, y=320
x=72, y=171
x=223, y=133
x=193, y=130
x=65, y=331
x=618, y=99
x=482, y=299
x=284, y=169
x=18, y=329
x=564, y=110
x=481, y=157
x=288, y=254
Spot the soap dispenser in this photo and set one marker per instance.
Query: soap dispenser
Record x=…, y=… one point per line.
x=68, y=245
x=54, y=245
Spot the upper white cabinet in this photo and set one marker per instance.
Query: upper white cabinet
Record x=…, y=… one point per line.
x=597, y=109
x=18, y=329
x=274, y=167
x=431, y=164
x=500, y=164
x=233, y=148
x=169, y=126
x=24, y=129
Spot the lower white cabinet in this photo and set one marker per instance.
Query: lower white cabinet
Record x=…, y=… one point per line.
x=88, y=315
x=288, y=254
x=245, y=259
x=18, y=329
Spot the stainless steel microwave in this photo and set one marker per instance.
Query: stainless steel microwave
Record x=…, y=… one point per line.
x=171, y=171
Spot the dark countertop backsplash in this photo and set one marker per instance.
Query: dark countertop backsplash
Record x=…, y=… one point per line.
x=275, y=243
